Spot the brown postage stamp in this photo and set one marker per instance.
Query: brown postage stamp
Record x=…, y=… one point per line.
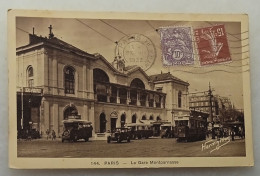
x=212, y=45
x=127, y=90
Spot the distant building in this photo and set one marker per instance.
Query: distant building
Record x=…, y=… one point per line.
x=224, y=103
x=201, y=102
x=56, y=80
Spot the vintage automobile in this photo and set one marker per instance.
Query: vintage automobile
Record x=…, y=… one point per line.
x=140, y=130
x=167, y=130
x=75, y=129
x=119, y=134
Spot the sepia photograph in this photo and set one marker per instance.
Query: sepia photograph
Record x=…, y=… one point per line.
x=129, y=90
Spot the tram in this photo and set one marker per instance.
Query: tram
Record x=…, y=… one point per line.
x=192, y=127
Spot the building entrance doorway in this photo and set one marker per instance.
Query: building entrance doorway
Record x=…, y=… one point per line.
x=113, y=124
x=103, y=122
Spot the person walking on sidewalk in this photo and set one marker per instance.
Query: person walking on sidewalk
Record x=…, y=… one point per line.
x=53, y=135
x=233, y=135
x=48, y=133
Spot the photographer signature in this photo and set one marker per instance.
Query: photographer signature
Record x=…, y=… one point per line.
x=214, y=145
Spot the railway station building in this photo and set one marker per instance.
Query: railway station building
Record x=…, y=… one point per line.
x=56, y=80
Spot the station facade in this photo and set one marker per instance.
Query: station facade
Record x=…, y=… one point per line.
x=56, y=80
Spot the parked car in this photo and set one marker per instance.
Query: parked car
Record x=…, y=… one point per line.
x=75, y=129
x=167, y=131
x=140, y=130
x=28, y=134
x=119, y=135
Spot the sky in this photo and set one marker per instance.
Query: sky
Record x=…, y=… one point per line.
x=99, y=36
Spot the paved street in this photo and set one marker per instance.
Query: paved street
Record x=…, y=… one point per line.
x=155, y=147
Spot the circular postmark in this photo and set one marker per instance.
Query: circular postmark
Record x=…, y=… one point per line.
x=137, y=49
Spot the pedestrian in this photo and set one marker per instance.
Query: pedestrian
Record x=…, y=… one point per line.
x=213, y=133
x=218, y=134
x=221, y=133
x=53, y=135
x=29, y=136
x=233, y=135
x=47, y=133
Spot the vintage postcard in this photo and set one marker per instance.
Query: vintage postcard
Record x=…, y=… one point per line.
x=128, y=90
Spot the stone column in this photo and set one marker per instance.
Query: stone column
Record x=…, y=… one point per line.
x=147, y=100
x=46, y=73
x=138, y=103
x=55, y=75
x=84, y=81
x=55, y=116
x=117, y=96
x=128, y=97
x=108, y=88
x=45, y=121
x=91, y=116
x=162, y=100
x=154, y=102
x=90, y=83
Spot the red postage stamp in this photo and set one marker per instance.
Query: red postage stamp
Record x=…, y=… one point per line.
x=212, y=45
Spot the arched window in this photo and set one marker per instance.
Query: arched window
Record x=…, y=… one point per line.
x=30, y=76
x=134, y=118
x=179, y=99
x=70, y=111
x=143, y=117
x=69, y=75
x=100, y=76
x=151, y=117
x=158, y=118
x=137, y=83
x=30, y=71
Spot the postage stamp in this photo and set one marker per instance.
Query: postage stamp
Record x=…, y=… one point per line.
x=176, y=44
x=212, y=45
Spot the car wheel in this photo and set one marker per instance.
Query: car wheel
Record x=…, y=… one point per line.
x=86, y=139
x=128, y=139
x=62, y=140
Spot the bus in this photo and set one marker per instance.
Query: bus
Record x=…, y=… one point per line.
x=76, y=129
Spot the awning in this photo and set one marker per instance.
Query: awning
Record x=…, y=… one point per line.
x=147, y=121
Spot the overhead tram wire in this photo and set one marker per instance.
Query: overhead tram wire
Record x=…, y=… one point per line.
x=114, y=27
x=147, y=21
x=94, y=30
x=22, y=30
